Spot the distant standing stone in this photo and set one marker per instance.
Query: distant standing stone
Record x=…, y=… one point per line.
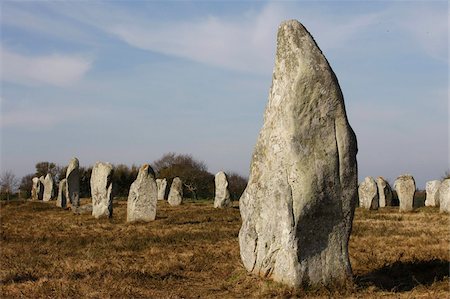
x=222, y=198
x=34, y=188
x=62, y=192
x=40, y=188
x=162, y=185
x=405, y=187
x=176, y=192
x=432, y=188
x=143, y=196
x=101, y=190
x=48, y=188
x=73, y=182
x=368, y=194
x=444, y=196
x=384, y=192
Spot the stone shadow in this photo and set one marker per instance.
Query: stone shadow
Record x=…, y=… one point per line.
x=404, y=276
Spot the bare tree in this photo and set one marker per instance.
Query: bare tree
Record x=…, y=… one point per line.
x=8, y=183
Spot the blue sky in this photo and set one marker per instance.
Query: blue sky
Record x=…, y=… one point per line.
x=126, y=82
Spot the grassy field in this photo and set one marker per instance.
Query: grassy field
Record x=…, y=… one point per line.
x=192, y=251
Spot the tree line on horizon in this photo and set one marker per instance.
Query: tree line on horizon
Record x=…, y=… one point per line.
x=198, y=182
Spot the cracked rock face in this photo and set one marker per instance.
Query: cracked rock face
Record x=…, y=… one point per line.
x=444, y=196
x=62, y=192
x=48, y=187
x=432, y=188
x=384, y=192
x=222, y=197
x=101, y=190
x=176, y=192
x=368, y=194
x=298, y=207
x=405, y=187
x=162, y=185
x=73, y=182
x=141, y=204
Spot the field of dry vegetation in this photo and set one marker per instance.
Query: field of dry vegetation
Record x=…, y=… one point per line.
x=192, y=251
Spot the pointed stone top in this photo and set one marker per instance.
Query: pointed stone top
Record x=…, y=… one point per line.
x=145, y=170
x=74, y=164
x=48, y=176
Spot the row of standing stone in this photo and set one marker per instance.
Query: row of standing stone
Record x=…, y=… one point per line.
x=143, y=195
x=374, y=194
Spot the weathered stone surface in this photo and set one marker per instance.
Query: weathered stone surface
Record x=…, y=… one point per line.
x=48, y=188
x=34, y=188
x=222, y=198
x=73, y=182
x=101, y=190
x=40, y=188
x=368, y=194
x=176, y=192
x=432, y=188
x=405, y=187
x=143, y=196
x=444, y=196
x=298, y=207
x=384, y=192
x=62, y=192
x=162, y=185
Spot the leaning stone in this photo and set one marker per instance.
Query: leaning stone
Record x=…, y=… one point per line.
x=222, y=198
x=405, y=187
x=162, y=185
x=384, y=192
x=48, y=188
x=176, y=192
x=143, y=196
x=40, y=188
x=34, y=188
x=432, y=188
x=62, y=192
x=368, y=194
x=298, y=207
x=101, y=190
x=73, y=182
x=444, y=196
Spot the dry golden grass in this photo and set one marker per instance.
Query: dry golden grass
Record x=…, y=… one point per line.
x=192, y=251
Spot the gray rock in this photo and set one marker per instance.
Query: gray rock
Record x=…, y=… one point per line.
x=34, y=188
x=176, y=192
x=40, y=188
x=444, y=196
x=62, y=193
x=298, y=207
x=405, y=187
x=48, y=188
x=84, y=209
x=143, y=196
x=368, y=194
x=222, y=198
x=73, y=182
x=101, y=190
x=384, y=192
x=162, y=185
x=432, y=188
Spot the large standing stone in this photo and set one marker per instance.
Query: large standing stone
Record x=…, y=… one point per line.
x=405, y=187
x=48, y=188
x=40, y=188
x=73, y=182
x=384, y=192
x=101, y=190
x=34, y=188
x=143, y=196
x=162, y=185
x=368, y=194
x=62, y=192
x=222, y=198
x=298, y=207
x=444, y=196
x=432, y=188
x=176, y=192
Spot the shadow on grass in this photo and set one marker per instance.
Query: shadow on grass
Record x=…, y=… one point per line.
x=404, y=276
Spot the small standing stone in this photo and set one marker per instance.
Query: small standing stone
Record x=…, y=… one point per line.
x=384, y=192
x=162, y=185
x=368, y=194
x=48, y=188
x=34, y=188
x=62, y=192
x=432, y=188
x=143, y=196
x=444, y=196
x=73, y=182
x=40, y=188
x=222, y=198
x=101, y=190
x=405, y=187
x=176, y=192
